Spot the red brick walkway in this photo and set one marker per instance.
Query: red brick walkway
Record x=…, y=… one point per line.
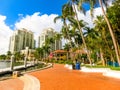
x=60, y=78
x=11, y=84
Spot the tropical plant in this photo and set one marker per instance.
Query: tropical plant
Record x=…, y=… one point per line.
x=17, y=56
x=9, y=55
x=67, y=48
x=39, y=53
x=101, y=2
x=2, y=57
x=66, y=12
x=72, y=4
x=113, y=15
x=57, y=38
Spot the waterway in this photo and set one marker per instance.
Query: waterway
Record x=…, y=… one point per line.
x=4, y=64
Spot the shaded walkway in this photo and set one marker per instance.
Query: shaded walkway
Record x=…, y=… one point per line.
x=60, y=78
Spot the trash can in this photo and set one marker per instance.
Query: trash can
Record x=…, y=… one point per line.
x=115, y=64
x=77, y=67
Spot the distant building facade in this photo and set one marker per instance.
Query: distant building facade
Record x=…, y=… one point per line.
x=21, y=39
x=48, y=33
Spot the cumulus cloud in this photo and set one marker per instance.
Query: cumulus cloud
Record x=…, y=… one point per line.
x=87, y=18
x=37, y=23
x=5, y=33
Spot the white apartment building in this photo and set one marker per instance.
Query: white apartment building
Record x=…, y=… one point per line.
x=48, y=33
x=21, y=39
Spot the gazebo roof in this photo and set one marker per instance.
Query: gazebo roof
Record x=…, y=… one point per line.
x=59, y=51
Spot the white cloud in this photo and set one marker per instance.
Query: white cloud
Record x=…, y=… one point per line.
x=37, y=23
x=87, y=18
x=5, y=33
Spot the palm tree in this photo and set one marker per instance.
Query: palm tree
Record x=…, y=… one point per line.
x=39, y=53
x=73, y=3
x=67, y=48
x=113, y=15
x=17, y=56
x=92, y=3
x=3, y=57
x=66, y=11
x=9, y=55
x=46, y=49
x=101, y=28
x=75, y=27
x=50, y=42
x=58, y=38
x=65, y=34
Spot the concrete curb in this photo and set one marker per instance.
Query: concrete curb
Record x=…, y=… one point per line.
x=68, y=66
x=34, y=83
x=48, y=66
x=105, y=71
x=30, y=82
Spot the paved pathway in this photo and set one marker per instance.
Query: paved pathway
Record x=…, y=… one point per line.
x=61, y=78
x=11, y=84
x=30, y=82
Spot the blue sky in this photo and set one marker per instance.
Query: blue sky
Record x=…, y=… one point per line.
x=34, y=15
x=13, y=8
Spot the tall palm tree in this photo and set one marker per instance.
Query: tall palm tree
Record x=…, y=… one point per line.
x=46, y=50
x=17, y=56
x=39, y=53
x=50, y=42
x=67, y=48
x=75, y=27
x=66, y=11
x=58, y=38
x=113, y=16
x=92, y=3
x=73, y=3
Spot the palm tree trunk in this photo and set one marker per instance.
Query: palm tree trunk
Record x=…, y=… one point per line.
x=68, y=33
x=112, y=58
x=111, y=32
x=55, y=44
x=101, y=56
x=81, y=33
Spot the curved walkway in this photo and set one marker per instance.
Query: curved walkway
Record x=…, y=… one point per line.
x=61, y=78
x=11, y=84
x=30, y=82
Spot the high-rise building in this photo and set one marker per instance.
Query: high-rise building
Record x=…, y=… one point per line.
x=21, y=39
x=49, y=33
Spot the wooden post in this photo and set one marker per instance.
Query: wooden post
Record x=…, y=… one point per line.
x=26, y=56
x=36, y=61
x=33, y=61
x=25, y=62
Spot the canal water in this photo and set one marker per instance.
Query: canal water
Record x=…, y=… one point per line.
x=4, y=64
